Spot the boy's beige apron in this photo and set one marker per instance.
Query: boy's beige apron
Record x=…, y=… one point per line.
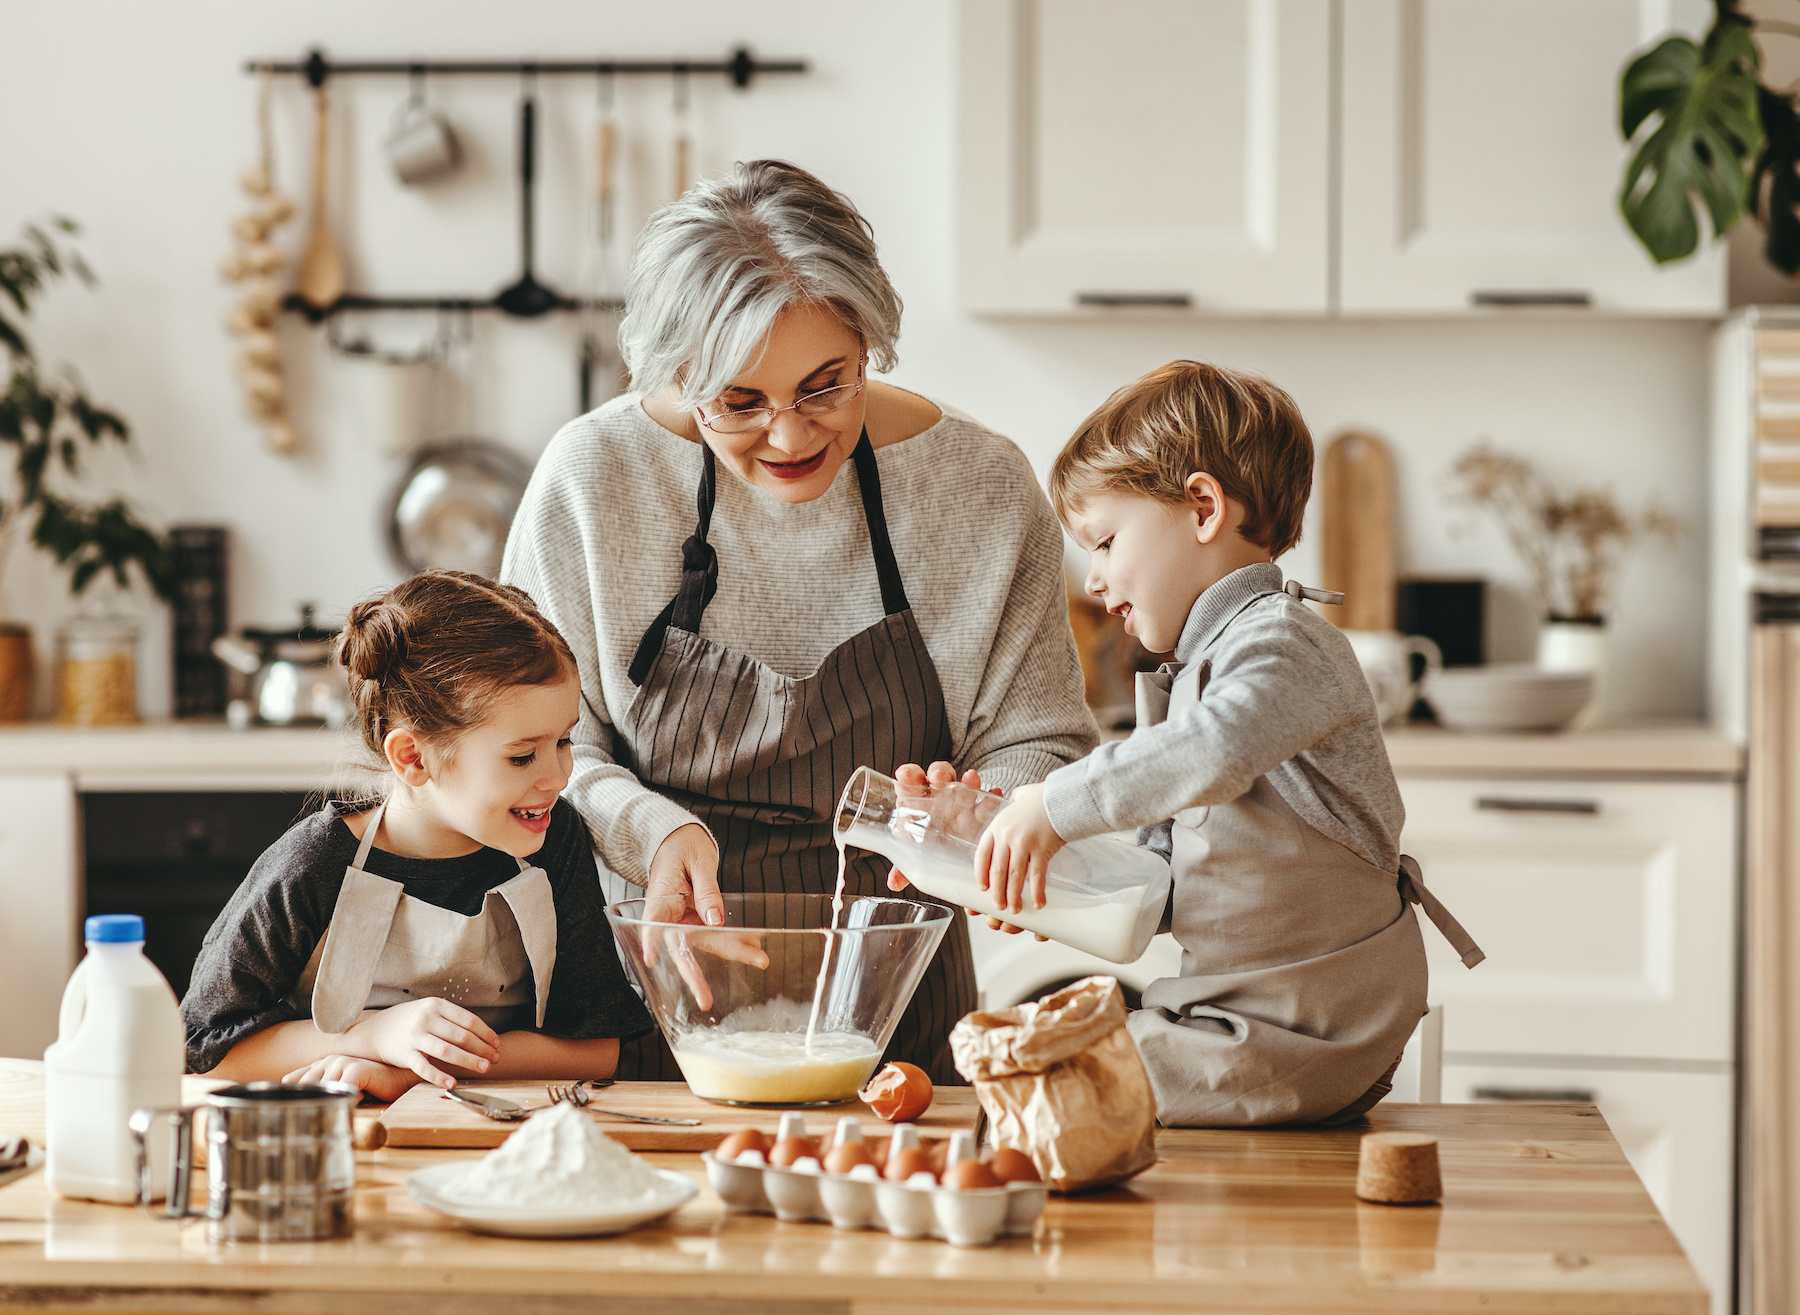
x=1302, y=967
x=761, y=758
x=385, y=947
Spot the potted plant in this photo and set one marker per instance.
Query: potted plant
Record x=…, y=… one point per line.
x=47, y=422
x=1573, y=547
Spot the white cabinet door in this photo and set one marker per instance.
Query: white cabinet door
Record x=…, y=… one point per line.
x=40, y=907
x=1675, y=1128
x=1607, y=910
x=1482, y=158
x=1144, y=152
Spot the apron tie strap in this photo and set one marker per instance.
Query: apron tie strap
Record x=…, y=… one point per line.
x=699, y=576
x=1412, y=888
x=1335, y=597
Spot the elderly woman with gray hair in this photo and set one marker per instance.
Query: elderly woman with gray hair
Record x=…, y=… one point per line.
x=872, y=578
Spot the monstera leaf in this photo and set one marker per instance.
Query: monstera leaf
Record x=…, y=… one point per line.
x=1703, y=100
x=1778, y=202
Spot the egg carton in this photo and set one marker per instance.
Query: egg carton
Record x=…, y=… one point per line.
x=918, y=1207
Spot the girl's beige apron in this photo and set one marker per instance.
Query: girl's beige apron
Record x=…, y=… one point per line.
x=1302, y=967
x=385, y=947
x=760, y=758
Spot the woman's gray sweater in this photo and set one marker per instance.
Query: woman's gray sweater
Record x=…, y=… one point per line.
x=597, y=544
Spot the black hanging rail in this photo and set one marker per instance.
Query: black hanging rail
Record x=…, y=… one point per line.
x=316, y=67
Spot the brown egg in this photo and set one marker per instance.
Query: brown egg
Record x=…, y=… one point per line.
x=790, y=1149
x=909, y=1161
x=899, y=1093
x=970, y=1176
x=842, y=1159
x=1011, y=1166
x=939, y=1151
x=744, y=1139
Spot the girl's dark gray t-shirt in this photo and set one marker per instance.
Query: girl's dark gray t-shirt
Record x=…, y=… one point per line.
x=259, y=945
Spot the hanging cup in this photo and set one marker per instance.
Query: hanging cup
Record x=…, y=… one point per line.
x=420, y=144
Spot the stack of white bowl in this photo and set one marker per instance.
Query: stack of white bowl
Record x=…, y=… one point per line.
x=1512, y=696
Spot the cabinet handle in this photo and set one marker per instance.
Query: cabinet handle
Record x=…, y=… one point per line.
x=1538, y=1095
x=1178, y=300
x=1496, y=804
x=1547, y=297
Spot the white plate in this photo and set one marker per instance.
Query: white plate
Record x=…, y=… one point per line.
x=518, y=1221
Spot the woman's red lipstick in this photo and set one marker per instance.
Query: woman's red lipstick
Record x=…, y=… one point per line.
x=795, y=469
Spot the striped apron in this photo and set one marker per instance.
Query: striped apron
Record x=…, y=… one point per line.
x=761, y=757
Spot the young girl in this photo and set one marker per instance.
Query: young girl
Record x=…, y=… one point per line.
x=381, y=946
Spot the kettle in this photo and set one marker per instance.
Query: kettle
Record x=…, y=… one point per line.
x=295, y=679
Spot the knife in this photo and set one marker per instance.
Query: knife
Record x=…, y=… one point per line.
x=492, y=1107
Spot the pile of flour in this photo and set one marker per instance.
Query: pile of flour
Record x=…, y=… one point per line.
x=559, y=1160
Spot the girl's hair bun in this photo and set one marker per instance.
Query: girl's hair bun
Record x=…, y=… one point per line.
x=374, y=640
x=433, y=652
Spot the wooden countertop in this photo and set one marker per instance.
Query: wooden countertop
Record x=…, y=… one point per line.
x=1541, y=1213
x=1686, y=749
x=159, y=755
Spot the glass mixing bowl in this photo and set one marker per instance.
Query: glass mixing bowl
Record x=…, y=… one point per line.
x=776, y=1007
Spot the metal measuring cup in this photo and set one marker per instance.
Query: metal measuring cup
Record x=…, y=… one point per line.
x=280, y=1163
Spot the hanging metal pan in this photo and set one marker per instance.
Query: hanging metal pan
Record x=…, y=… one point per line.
x=454, y=505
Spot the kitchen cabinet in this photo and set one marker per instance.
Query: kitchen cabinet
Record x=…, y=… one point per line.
x=40, y=905
x=1607, y=910
x=1307, y=157
x=1482, y=158
x=1146, y=152
x=1607, y=904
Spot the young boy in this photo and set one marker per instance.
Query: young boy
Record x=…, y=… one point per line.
x=1257, y=768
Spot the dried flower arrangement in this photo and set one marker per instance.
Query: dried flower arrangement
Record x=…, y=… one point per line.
x=1573, y=546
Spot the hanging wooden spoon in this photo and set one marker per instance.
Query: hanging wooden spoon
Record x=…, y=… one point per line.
x=319, y=277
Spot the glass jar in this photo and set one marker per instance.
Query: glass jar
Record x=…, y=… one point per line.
x=99, y=671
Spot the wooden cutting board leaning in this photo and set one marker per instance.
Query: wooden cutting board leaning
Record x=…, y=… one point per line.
x=1356, y=530
x=425, y=1117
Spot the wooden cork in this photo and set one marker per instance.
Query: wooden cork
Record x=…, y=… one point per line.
x=1398, y=1168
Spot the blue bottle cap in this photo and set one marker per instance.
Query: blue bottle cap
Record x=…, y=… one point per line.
x=115, y=929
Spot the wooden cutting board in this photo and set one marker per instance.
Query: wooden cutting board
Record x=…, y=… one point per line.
x=1356, y=530
x=425, y=1117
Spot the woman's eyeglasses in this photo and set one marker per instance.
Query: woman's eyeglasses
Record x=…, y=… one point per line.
x=820, y=403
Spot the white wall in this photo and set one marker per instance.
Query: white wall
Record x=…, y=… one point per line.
x=136, y=119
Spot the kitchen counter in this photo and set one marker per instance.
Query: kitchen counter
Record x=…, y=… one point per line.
x=1541, y=1213
x=179, y=755
x=1672, y=749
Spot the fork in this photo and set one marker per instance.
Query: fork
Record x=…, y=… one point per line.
x=573, y=1094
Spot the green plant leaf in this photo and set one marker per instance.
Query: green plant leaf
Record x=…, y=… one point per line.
x=1702, y=102
x=1775, y=185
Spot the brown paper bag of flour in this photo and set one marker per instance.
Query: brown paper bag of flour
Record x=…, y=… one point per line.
x=1061, y=1080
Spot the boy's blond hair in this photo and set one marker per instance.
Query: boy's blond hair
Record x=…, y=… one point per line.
x=1184, y=417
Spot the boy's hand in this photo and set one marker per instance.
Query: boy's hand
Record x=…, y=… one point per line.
x=1015, y=851
x=411, y=1036
x=380, y=1082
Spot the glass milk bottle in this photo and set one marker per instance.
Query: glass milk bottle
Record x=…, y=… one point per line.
x=1103, y=895
x=120, y=1046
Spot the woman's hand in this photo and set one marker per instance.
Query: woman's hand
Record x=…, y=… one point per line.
x=684, y=888
x=913, y=781
x=684, y=879
x=1013, y=856
x=414, y=1035
x=380, y=1082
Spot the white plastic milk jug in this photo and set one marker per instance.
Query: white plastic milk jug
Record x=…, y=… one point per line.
x=120, y=1046
x=1103, y=895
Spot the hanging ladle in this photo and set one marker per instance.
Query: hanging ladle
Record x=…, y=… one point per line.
x=527, y=297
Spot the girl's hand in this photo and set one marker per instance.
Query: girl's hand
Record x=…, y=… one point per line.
x=380, y=1082
x=413, y=1035
x=913, y=780
x=1015, y=851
